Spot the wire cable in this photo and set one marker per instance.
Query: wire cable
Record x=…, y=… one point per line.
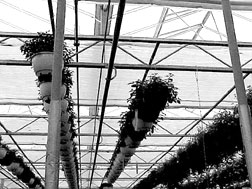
x=76, y=44
x=99, y=87
x=117, y=29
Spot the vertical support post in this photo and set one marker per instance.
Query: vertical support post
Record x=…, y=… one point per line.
x=244, y=111
x=53, y=138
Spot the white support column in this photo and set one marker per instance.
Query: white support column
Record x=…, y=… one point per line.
x=53, y=139
x=244, y=112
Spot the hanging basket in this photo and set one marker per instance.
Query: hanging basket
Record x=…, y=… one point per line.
x=45, y=90
x=15, y=168
x=71, y=173
x=117, y=171
x=3, y=153
x=127, y=151
x=65, y=117
x=46, y=107
x=66, y=156
x=118, y=165
x=65, y=138
x=67, y=162
x=42, y=63
x=118, y=161
x=139, y=124
x=65, y=127
x=64, y=105
x=130, y=143
x=120, y=156
x=111, y=178
x=67, y=144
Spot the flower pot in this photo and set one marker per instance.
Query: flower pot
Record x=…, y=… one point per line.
x=120, y=156
x=67, y=144
x=139, y=124
x=127, y=151
x=45, y=90
x=42, y=63
x=65, y=150
x=65, y=138
x=70, y=164
x=66, y=158
x=111, y=179
x=64, y=117
x=65, y=127
x=15, y=168
x=130, y=143
x=3, y=153
x=117, y=171
x=64, y=105
x=118, y=162
x=119, y=166
x=46, y=107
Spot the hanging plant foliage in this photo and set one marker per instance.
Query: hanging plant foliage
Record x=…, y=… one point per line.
x=147, y=100
x=211, y=147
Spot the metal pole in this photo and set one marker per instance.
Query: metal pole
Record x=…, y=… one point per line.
x=53, y=139
x=117, y=29
x=244, y=112
x=50, y=6
x=76, y=44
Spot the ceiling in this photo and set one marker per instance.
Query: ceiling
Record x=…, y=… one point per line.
x=185, y=37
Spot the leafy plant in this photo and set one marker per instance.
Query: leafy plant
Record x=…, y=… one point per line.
x=230, y=173
x=152, y=95
x=150, y=98
x=221, y=139
x=16, y=165
x=44, y=42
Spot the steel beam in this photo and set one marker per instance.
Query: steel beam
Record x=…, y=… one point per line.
x=209, y=4
x=244, y=111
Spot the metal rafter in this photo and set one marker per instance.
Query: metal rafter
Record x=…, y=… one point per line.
x=161, y=22
x=131, y=40
x=127, y=66
x=210, y=4
x=202, y=23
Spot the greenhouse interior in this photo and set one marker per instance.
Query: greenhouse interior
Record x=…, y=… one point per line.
x=135, y=94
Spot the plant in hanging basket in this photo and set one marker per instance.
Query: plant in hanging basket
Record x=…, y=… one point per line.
x=41, y=47
x=129, y=136
x=151, y=96
x=43, y=42
x=17, y=166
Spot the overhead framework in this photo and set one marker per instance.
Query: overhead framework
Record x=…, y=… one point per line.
x=211, y=4
x=194, y=50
